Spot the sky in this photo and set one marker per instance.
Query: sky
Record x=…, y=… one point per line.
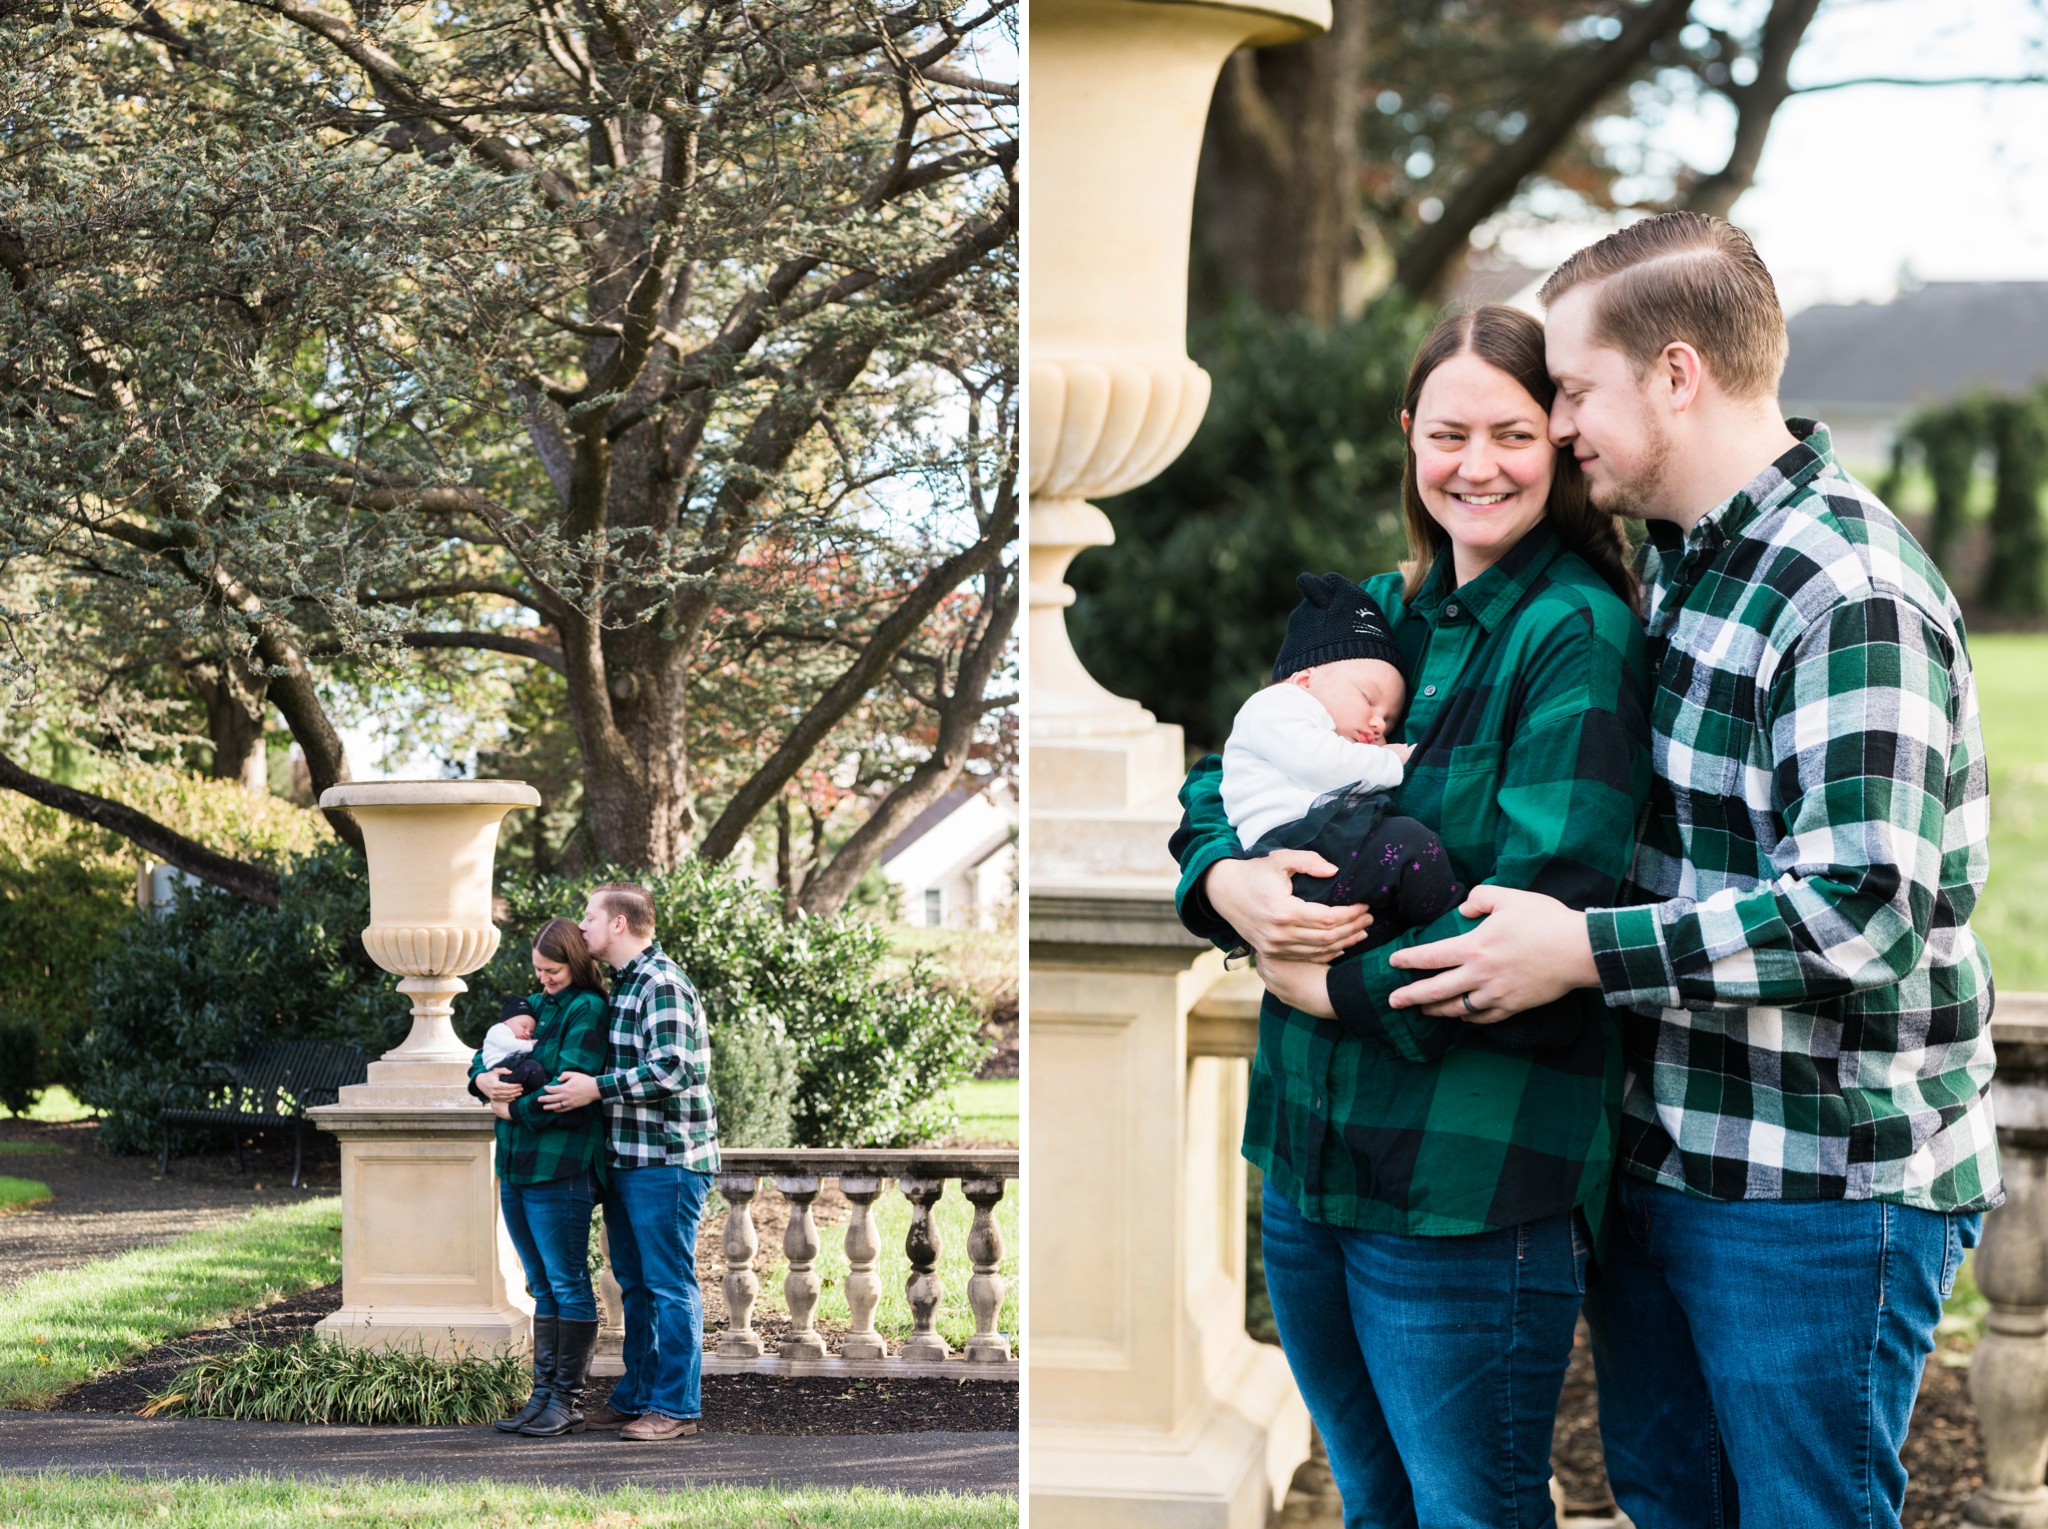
x=1859, y=184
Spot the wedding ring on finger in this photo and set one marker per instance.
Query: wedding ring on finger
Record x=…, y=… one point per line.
x=1466, y=999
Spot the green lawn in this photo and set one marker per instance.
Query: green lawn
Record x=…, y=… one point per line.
x=64, y=1327
x=55, y=1500
x=56, y=1106
x=19, y=1194
x=2012, y=694
x=988, y=1109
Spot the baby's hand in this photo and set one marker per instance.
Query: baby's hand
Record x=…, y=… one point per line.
x=521, y=1025
x=1400, y=751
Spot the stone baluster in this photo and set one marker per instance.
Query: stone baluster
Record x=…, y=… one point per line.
x=925, y=1287
x=611, y=1333
x=863, y=1285
x=742, y=1285
x=800, y=1286
x=985, y=1287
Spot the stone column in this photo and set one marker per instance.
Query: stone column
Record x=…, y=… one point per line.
x=424, y=1256
x=2009, y=1373
x=1149, y=1404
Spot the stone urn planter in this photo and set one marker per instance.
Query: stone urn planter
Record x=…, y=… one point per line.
x=424, y=1256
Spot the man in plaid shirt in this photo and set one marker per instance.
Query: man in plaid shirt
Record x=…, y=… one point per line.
x=660, y=1153
x=1807, y=1143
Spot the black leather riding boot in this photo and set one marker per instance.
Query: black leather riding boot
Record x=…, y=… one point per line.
x=545, y=1331
x=575, y=1344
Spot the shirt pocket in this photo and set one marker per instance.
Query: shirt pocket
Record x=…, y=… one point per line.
x=1469, y=820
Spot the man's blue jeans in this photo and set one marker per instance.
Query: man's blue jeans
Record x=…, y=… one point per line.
x=1763, y=1355
x=550, y=1227
x=652, y=1216
x=1431, y=1365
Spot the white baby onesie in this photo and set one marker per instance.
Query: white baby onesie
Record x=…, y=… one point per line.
x=1284, y=752
x=501, y=1045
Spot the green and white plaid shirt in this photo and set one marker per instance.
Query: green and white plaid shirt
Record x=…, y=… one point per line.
x=657, y=1089
x=1809, y=1009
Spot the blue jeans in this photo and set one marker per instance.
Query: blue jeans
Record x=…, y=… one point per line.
x=1431, y=1365
x=1764, y=1354
x=550, y=1227
x=652, y=1215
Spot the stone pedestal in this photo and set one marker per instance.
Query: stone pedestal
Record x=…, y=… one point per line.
x=425, y=1261
x=1149, y=1404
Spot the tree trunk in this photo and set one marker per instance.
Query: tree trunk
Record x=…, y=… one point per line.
x=1756, y=104
x=1276, y=195
x=234, y=721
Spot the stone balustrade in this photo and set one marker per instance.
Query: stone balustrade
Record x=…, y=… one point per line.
x=863, y=1176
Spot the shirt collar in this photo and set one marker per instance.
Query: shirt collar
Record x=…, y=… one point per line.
x=1811, y=454
x=1498, y=590
x=632, y=968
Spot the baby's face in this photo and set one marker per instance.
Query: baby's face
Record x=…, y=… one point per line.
x=1363, y=696
x=521, y=1025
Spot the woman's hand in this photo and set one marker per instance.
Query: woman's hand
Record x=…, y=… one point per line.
x=501, y=1109
x=1257, y=898
x=1303, y=985
x=494, y=1086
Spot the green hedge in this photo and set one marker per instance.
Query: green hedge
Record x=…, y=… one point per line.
x=814, y=1040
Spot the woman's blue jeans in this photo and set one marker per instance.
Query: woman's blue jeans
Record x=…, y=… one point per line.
x=550, y=1227
x=1431, y=1365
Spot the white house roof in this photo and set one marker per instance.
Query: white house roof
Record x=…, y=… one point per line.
x=932, y=817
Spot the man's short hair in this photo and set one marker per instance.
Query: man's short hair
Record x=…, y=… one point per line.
x=1683, y=276
x=630, y=901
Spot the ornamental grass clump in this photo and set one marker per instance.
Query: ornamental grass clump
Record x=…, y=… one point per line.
x=311, y=1380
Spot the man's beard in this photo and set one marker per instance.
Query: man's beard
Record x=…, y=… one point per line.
x=1637, y=492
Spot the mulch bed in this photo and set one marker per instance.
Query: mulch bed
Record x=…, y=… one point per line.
x=1944, y=1452
x=768, y=1404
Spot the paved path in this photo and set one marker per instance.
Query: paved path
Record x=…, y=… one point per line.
x=107, y=1205
x=905, y=1462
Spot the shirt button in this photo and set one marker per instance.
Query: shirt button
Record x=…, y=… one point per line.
x=1450, y=610
x=1429, y=690
x=1318, y=1104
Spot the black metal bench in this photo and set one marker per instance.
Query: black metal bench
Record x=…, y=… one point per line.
x=269, y=1089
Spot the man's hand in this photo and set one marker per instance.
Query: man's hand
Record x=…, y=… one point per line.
x=494, y=1086
x=1303, y=985
x=571, y=1091
x=1257, y=898
x=1531, y=949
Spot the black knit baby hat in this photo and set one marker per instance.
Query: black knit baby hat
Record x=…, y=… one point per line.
x=1335, y=620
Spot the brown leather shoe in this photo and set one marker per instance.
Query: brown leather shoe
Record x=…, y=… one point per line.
x=603, y=1416
x=654, y=1426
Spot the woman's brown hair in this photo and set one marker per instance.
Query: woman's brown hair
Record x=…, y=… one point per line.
x=1510, y=341
x=561, y=941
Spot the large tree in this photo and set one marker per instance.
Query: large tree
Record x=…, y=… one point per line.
x=629, y=338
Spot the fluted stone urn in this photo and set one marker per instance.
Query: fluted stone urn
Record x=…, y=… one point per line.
x=424, y=1256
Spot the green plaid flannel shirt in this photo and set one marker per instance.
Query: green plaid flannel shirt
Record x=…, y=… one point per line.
x=657, y=1085
x=535, y=1146
x=1809, y=1009
x=1531, y=760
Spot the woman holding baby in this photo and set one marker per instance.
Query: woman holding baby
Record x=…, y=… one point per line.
x=1432, y=1186
x=547, y=1162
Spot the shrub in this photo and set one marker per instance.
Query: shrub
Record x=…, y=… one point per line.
x=313, y=1381
x=21, y=1063
x=67, y=889
x=814, y=1039
x=1297, y=466
x=214, y=975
